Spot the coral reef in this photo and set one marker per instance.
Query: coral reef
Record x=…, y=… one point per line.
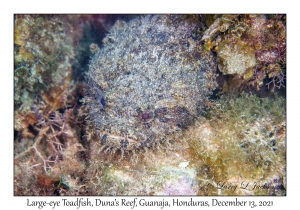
x=251, y=48
x=156, y=172
x=87, y=29
x=48, y=148
x=149, y=120
x=49, y=154
x=179, y=181
x=42, y=60
x=147, y=83
x=47, y=145
x=241, y=140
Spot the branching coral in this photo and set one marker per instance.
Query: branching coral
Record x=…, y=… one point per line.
x=56, y=149
x=47, y=138
x=49, y=153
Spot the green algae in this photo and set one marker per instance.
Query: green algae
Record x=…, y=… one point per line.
x=247, y=141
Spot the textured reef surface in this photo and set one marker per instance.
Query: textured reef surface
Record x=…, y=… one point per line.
x=149, y=105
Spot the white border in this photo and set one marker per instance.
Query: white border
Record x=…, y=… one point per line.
x=154, y=6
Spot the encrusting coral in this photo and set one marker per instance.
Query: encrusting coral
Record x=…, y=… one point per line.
x=241, y=140
x=250, y=48
x=156, y=172
x=43, y=54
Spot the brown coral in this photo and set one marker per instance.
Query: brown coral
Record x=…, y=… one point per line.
x=248, y=46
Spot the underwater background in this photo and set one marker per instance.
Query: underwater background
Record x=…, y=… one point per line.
x=235, y=143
